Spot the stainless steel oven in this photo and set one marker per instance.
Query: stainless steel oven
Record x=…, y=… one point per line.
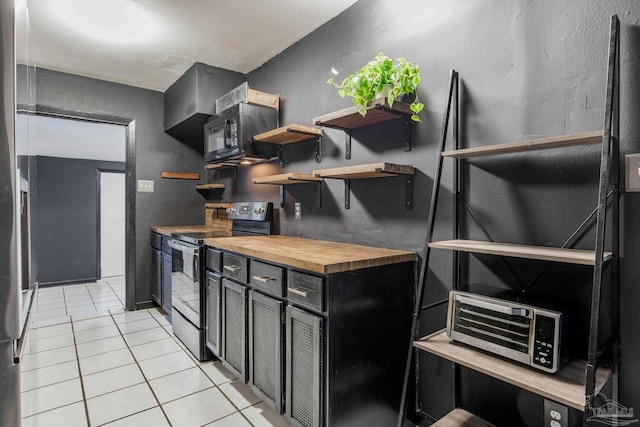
x=188, y=281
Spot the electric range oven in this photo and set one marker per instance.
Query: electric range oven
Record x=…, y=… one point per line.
x=187, y=278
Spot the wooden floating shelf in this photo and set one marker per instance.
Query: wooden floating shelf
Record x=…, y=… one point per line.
x=586, y=138
x=214, y=186
x=565, y=387
x=373, y=170
x=289, y=134
x=461, y=418
x=180, y=175
x=217, y=166
x=378, y=111
x=287, y=179
x=570, y=256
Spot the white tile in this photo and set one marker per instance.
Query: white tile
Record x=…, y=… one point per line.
x=234, y=420
x=47, y=314
x=49, y=375
x=262, y=415
x=139, y=325
x=70, y=299
x=50, y=331
x=105, y=298
x=131, y=316
x=50, y=397
x=180, y=384
x=217, y=373
x=47, y=358
x=50, y=305
x=198, y=409
x=101, y=346
x=146, y=336
x=239, y=394
x=98, y=322
x=155, y=349
x=45, y=344
x=149, y=418
x=67, y=416
x=96, y=334
x=165, y=365
x=37, y=324
x=77, y=317
x=102, y=362
x=118, y=310
x=119, y=404
x=79, y=301
x=157, y=312
x=81, y=309
x=108, y=304
x=73, y=290
x=111, y=380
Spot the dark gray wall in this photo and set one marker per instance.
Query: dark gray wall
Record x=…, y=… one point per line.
x=528, y=69
x=66, y=223
x=174, y=201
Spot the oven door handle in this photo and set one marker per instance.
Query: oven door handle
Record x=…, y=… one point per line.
x=227, y=133
x=184, y=248
x=512, y=310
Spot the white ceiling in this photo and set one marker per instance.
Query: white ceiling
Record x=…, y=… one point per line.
x=150, y=43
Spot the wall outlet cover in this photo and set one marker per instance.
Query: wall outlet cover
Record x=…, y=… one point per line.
x=555, y=414
x=298, y=210
x=632, y=172
x=145, y=186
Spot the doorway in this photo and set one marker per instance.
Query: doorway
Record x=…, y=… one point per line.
x=111, y=253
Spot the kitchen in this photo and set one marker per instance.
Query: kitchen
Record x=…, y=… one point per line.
x=542, y=57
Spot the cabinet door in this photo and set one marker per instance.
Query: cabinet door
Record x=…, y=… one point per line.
x=212, y=327
x=167, y=269
x=304, y=371
x=265, y=348
x=156, y=276
x=234, y=328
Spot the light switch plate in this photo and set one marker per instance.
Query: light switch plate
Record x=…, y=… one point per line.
x=632, y=172
x=298, y=210
x=145, y=186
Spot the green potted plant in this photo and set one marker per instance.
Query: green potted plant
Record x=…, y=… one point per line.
x=382, y=77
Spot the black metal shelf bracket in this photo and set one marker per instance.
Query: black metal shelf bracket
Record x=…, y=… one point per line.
x=347, y=144
x=318, y=195
x=280, y=150
x=319, y=150
x=347, y=194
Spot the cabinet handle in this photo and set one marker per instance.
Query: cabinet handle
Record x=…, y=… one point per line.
x=232, y=268
x=300, y=291
x=263, y=279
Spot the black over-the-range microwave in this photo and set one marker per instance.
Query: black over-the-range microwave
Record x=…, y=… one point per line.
x=228, y=136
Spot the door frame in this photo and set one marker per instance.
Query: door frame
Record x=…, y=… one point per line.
x=99, y=171
x=130, y=181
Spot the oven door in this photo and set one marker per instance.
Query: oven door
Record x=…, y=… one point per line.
x=221, y=139
x=186, y=281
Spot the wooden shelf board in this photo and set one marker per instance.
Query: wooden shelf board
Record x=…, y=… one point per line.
x=287, y=179
x=289, y=134
x=350, y=118
x=217, y=205
x=566, y=387
x=180, y=175
x=373, y=170
x=570, y=256
x=212, y=186
x=585, y=138
x=461, y=418
x=220, y=165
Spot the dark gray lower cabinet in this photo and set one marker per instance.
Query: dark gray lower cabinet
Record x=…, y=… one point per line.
x=304, y=368
x=234, y=328
x=167, y=269
x=266, y=348
x=213, y=328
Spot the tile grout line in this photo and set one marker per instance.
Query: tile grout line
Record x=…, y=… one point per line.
x=84, y=396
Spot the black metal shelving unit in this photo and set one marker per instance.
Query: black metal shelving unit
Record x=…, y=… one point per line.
x=591, y=377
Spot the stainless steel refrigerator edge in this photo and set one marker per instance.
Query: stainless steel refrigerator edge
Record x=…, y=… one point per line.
x=10, y=293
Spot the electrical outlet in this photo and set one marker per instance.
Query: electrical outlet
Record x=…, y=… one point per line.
x=632, y=172
x=555, y=414
x=145, y=186
x=298, y=210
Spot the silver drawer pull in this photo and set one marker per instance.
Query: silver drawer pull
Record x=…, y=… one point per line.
x=300, y=291
x=232, y=268
x=263, y=279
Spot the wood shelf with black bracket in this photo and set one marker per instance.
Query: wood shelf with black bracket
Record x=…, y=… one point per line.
x=292, y=179
x=292, y=134
x=373, y=170
x=211, y=188
x=378, y=111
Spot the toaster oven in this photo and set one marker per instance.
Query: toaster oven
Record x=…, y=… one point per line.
x=524, y=333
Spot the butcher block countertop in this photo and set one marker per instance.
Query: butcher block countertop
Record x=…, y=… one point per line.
x=313, y=255
x=168, y=229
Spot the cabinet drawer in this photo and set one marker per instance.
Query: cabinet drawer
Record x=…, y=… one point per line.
x=235, y=266
x=214, y=260
x=268, y=278
x=305, y=290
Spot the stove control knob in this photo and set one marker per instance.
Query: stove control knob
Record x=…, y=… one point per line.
x=231, y=210
x=258, y=210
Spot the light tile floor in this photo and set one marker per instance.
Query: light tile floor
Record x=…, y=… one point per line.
x=90, y=363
